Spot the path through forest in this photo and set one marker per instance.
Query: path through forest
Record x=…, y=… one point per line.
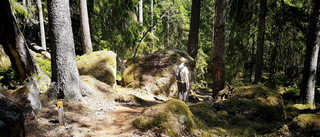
x=95, y=116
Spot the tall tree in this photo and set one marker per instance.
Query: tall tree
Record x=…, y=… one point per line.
x=311, y=57
x=14, y=44
x=194, y=29
x=219, y=43
x=63, y=63
x=85, y=30
x=151, y=31
x=42, y=33
x=140, y=12
x=260, y=43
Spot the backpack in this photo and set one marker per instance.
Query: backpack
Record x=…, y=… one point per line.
x=179, y=74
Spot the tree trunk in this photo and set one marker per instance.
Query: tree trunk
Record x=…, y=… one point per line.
x=252, y=57
x=64, y=66
x=141, y=13
x=311, y=58
x=85, y=30
x=42, y=34
x=273, y=62
x=151, y=31
x=219, y=43
x=14, y=44
x=260, y=43
x=194, y=29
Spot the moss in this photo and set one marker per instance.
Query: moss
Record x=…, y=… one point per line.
x=305, y=121
x=172, y=118
x=4, y=60
x=306, y=124
x=180, y=108
x=100, y=64
x=303, y=106
x=251, y=110
x=44, y=64
x=149, y=123
x=131, y=76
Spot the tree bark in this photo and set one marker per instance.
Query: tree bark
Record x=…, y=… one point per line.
x=64, y=66
x=219, y=43
x=42, y=33
x=307, y=89
x=85, y=30
x=151, y=31
x=260, y=43
x=141, y=12
x=194, y=29
x=14, y=44
x=33, y=46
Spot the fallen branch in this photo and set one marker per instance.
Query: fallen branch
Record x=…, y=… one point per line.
x=38, y=49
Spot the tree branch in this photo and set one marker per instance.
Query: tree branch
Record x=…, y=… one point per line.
x=150, y=30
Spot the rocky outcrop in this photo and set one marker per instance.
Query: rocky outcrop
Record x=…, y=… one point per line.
x=11, y=119
x=101, y=65
x=154, y=73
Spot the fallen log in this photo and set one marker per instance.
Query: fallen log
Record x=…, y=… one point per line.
x=38, y=49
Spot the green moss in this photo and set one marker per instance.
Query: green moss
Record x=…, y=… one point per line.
x=168, y=118
x=99, y=64
x=251, y=110
x=306, y=124
x=44, y=64
x=149, y=123
x=303, y=106
x=180, y=108
x=305, y=121
x=131, y=76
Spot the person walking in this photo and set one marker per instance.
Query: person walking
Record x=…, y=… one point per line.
x=182, y=80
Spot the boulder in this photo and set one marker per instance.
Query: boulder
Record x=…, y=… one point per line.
x=11, y=119
x=100, y=64
x=27, y=96
x=154, y=73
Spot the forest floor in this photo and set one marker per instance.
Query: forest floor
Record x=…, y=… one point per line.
x=95, y=116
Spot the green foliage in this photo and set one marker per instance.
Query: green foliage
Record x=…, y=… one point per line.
x=19, y=10
x=113, y=24
x=7, y=75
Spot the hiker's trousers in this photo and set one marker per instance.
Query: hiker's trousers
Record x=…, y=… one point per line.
x=182, y=89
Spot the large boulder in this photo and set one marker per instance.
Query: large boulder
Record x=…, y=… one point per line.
x=11, y=119
x=100, y=64
x=27, y=96
x=154, y=73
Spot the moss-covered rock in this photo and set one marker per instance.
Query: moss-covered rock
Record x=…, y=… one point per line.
x=306, y=124
x=251, y=110
x=4, y=59
x=100, y=64
x=154, y=73
x=172, y=118
x=27, y=96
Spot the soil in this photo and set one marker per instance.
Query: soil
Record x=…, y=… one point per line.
x=95, y=116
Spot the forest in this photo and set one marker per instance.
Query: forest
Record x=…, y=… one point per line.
x=254, y=67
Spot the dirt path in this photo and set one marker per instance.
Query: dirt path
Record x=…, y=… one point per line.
x=94, y=117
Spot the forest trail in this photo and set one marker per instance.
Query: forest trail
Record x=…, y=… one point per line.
x=94, y=117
